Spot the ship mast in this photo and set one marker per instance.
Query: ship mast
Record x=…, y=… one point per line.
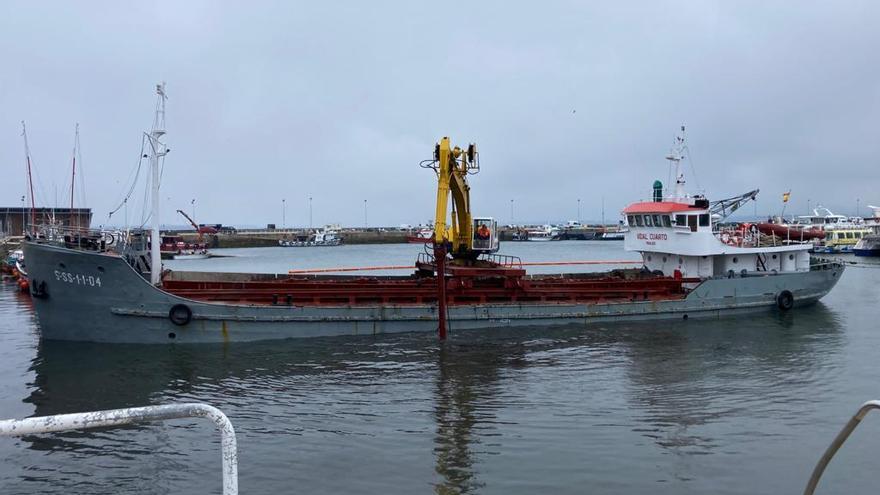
x=158, y=150
x=27, y=156
x=73, y=176
x=675, y=156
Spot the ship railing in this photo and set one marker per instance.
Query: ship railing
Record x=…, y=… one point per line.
x=504, y=260
x=824, y=264
x=72, y=237
x=837, y=443
x=738, y=237
x=425, y=258
x=119, y=417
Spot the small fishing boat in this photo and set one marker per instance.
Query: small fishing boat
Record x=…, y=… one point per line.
x=175, y=247
x=612, y=234
x=546, y=233
x=421, y=236
x=19, y=270
x=868, y=245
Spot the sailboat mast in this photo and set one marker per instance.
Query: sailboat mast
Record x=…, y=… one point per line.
x=27, y=156
x=158, y=150
x=73, y=175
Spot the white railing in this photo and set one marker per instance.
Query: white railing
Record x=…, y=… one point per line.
x=118, y=417
x=838, y=442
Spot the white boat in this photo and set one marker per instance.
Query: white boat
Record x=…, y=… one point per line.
x=325, y=237
x=422, y=236
x=824, y=218
x=682, y=236
x=547, y=233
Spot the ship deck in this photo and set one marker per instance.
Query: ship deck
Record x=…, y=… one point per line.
x=620, y=285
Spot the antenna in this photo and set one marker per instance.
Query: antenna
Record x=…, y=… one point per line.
x=675, y=156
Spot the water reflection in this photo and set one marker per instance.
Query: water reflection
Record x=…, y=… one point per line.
x=685, y=376
x=678, y=378
x=466, y=384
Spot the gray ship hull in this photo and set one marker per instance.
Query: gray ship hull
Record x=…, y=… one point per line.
x=97, y=297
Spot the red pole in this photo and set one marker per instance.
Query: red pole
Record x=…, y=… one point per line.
x=440, y=260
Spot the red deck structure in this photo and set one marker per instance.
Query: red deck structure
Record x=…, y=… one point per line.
x=460, y=289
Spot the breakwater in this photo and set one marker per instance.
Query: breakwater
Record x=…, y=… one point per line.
x=268, y=238
x=246, y=238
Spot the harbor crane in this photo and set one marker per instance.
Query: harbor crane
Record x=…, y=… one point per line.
x=204, y=229
x=723, y=208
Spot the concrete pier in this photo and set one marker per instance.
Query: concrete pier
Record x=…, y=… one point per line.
x=268, y=238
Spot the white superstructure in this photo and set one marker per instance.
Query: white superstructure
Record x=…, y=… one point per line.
x=680, y=236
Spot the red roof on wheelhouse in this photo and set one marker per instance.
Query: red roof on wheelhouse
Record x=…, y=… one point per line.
x=659, y=207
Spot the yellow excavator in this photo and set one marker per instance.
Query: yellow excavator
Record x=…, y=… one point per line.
x=466, y=237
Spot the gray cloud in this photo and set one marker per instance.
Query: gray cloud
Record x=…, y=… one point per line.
x=341, y=101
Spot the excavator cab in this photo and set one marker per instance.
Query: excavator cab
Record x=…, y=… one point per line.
x=485, y=238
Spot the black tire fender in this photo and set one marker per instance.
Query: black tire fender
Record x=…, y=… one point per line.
x=180, y=314
x=785, y=300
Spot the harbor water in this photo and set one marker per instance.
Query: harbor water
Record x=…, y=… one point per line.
x=729, y=406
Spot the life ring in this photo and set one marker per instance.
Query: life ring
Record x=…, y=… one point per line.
x=785, y=300
x=180, y=314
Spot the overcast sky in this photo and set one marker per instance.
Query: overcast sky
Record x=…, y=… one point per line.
x=340, y=101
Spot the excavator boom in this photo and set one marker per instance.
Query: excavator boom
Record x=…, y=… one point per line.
x=453, y=165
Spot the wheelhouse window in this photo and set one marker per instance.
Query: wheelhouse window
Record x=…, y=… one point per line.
x=648, y=222
x=692, y=222
x=638, y=220
x=704, y=220
x=681, y=220
x=631, y=220
x=667, y=222
x=858, y=235
x=657, y=221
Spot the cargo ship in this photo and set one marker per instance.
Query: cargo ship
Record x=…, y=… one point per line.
x=103, y=291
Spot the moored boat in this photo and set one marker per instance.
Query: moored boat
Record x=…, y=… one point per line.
x=175, y=247
x=421, y=236
x=325, y=237
x=543, y=234
x=868, y=245
x=842, y=240
x=114, y=293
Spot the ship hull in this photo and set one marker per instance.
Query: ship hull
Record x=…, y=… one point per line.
x=867, y=252
x=95, y=297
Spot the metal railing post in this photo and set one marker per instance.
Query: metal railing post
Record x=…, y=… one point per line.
x=117, y=417
x=837, y=443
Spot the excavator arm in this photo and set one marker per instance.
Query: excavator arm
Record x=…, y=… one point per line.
x=452, y=166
